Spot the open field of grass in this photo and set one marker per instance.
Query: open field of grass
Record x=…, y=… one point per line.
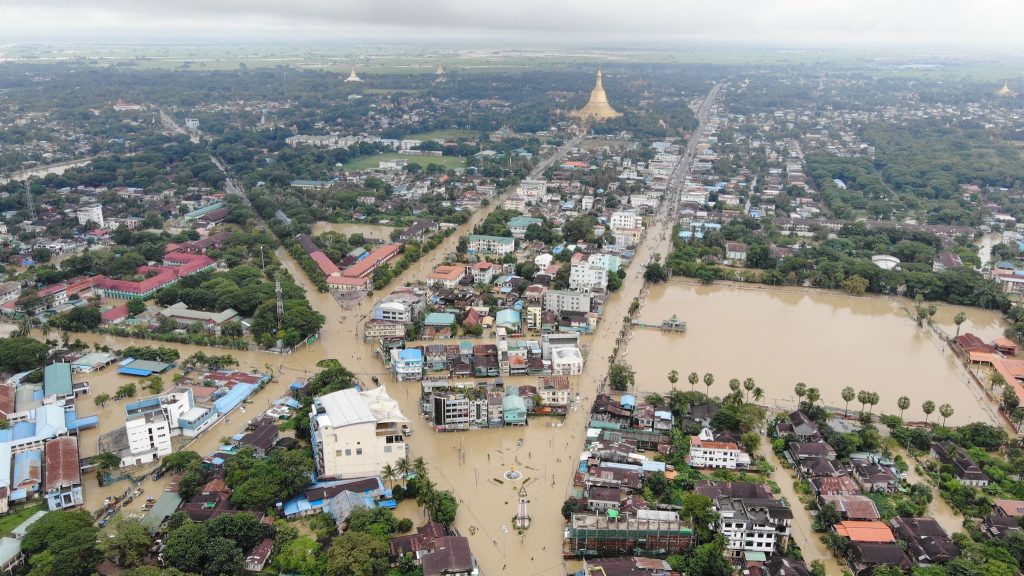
x=368, y=162
x=12, y=520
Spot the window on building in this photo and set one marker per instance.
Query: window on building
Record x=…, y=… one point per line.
x=348, y=451
x=359, y=451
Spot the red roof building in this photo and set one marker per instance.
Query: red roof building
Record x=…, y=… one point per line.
x=373, y=260
x=63, y=484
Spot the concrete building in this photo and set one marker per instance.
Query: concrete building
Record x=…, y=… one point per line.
x=355, y=434
x=625, y=220
x=181, y=313
x=587, y=274
x=566, y=361
x=518, y=225
x=407, y=364
x=63, y=486
x=705, y=452
x=446, y=276
x=559, y=301
x=92, y=213
x=458, y=411
x=497, y=245
x=753, y=524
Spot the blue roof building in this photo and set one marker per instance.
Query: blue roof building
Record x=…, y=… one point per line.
x=513, y=408
x=27, y=471
x=508, y=318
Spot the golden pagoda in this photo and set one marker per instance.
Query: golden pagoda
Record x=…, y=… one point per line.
x=597, y=109
x=353, y=77
x=1005, y=91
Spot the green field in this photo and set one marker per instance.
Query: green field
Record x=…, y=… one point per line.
x=369, y=162
x=452, y=134
x=19, y=515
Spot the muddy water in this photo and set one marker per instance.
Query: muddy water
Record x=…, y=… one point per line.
x=465, y=463
x=827, y=340
x=374, y=231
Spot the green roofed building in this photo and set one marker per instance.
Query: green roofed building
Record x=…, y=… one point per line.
x=499, y=245
x=518, y=225
x=57, y=380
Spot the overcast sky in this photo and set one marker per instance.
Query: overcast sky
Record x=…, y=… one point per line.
x=954, y=24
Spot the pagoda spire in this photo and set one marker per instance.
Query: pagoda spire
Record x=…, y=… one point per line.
x=597, y=109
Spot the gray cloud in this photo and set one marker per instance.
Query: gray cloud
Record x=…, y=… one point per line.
x=865, y=23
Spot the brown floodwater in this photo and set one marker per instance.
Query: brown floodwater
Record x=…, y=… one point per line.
x=828, y=340
x=374, y=231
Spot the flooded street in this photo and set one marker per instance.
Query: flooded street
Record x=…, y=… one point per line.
x=828, y=340
x=373, y=231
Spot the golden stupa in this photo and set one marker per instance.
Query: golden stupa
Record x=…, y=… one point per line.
x=597, y=108
x=353, y=77
x=1005, y=91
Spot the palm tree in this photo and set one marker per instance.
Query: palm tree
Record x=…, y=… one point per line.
x=903, y=402
x=389, y=474
x=425, y=490
x=749, y=386
x=928, y=407
x=758, y=394
x=873, y=399
x=848, y=395
x=863, y=397
x=402, y=468
x=419, y=467
x=673, y=377
x=959, y=319
x=709, y=379
x=1018, y=416
x=801, y=390
x=813, y=395
x=693, y=378
x=45, y=329
x=734, y=385
x=946, y=410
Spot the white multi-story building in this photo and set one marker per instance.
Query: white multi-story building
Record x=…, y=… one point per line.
x=498, y=245
x=705, y=452
x=531, y=189
x=625, y=220
x=753, y=524
x=152, y=422
x=587, y=274
x=566, y=300
x=566, y=361
x=355, y=434
x=91, y=213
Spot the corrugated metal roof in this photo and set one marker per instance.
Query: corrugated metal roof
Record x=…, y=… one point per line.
x=28, y=469
x=62, y=466
x=57, y=379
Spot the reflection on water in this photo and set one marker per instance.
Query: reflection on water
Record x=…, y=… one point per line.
x=828, y=340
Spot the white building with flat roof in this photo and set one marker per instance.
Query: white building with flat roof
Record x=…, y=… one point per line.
x=566, y=300
x=91, y=213
x=355, y=434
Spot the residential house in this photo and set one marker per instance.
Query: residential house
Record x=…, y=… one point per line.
x=705, y=452
x=753, y=524
x=799, y=425
x=63, y=486
x=497, y=245
x=965, y=469
x=803, y=450
x=834, y=486
x=874, y=477
x=925, y=540
x=446, y=276
x=852, y=506
x=736, y=253
x=864, y=557
x=257, y=558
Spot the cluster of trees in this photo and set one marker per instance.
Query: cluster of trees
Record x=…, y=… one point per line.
x=242, y=288
x=208, y=361
x=259, y=483
x=159, y=354
x=216, y=547
x=842, y=262
x=20, y=353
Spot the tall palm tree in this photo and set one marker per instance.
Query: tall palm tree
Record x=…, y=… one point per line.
x=873, y=399
x=848, y=395
x=402, y=468
x=734, y=385
x=864, y=397
x=45, y=329
x=673, y=377
x=813, y=395
x=928, y=407
x=758, y=394
x=959, y=319
x=800, y=390
x=946, y=410
x=1018, y=416
x=709, y=379
x=903, y=402
x=388, y=474
x=419, y=466
x=693, y=378
x=749, y=385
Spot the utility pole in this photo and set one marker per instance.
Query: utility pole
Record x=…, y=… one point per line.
x=280, y=298
x=30, y=204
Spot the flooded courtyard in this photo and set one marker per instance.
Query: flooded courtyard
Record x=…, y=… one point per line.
x=828, y=340
x=372, y=231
